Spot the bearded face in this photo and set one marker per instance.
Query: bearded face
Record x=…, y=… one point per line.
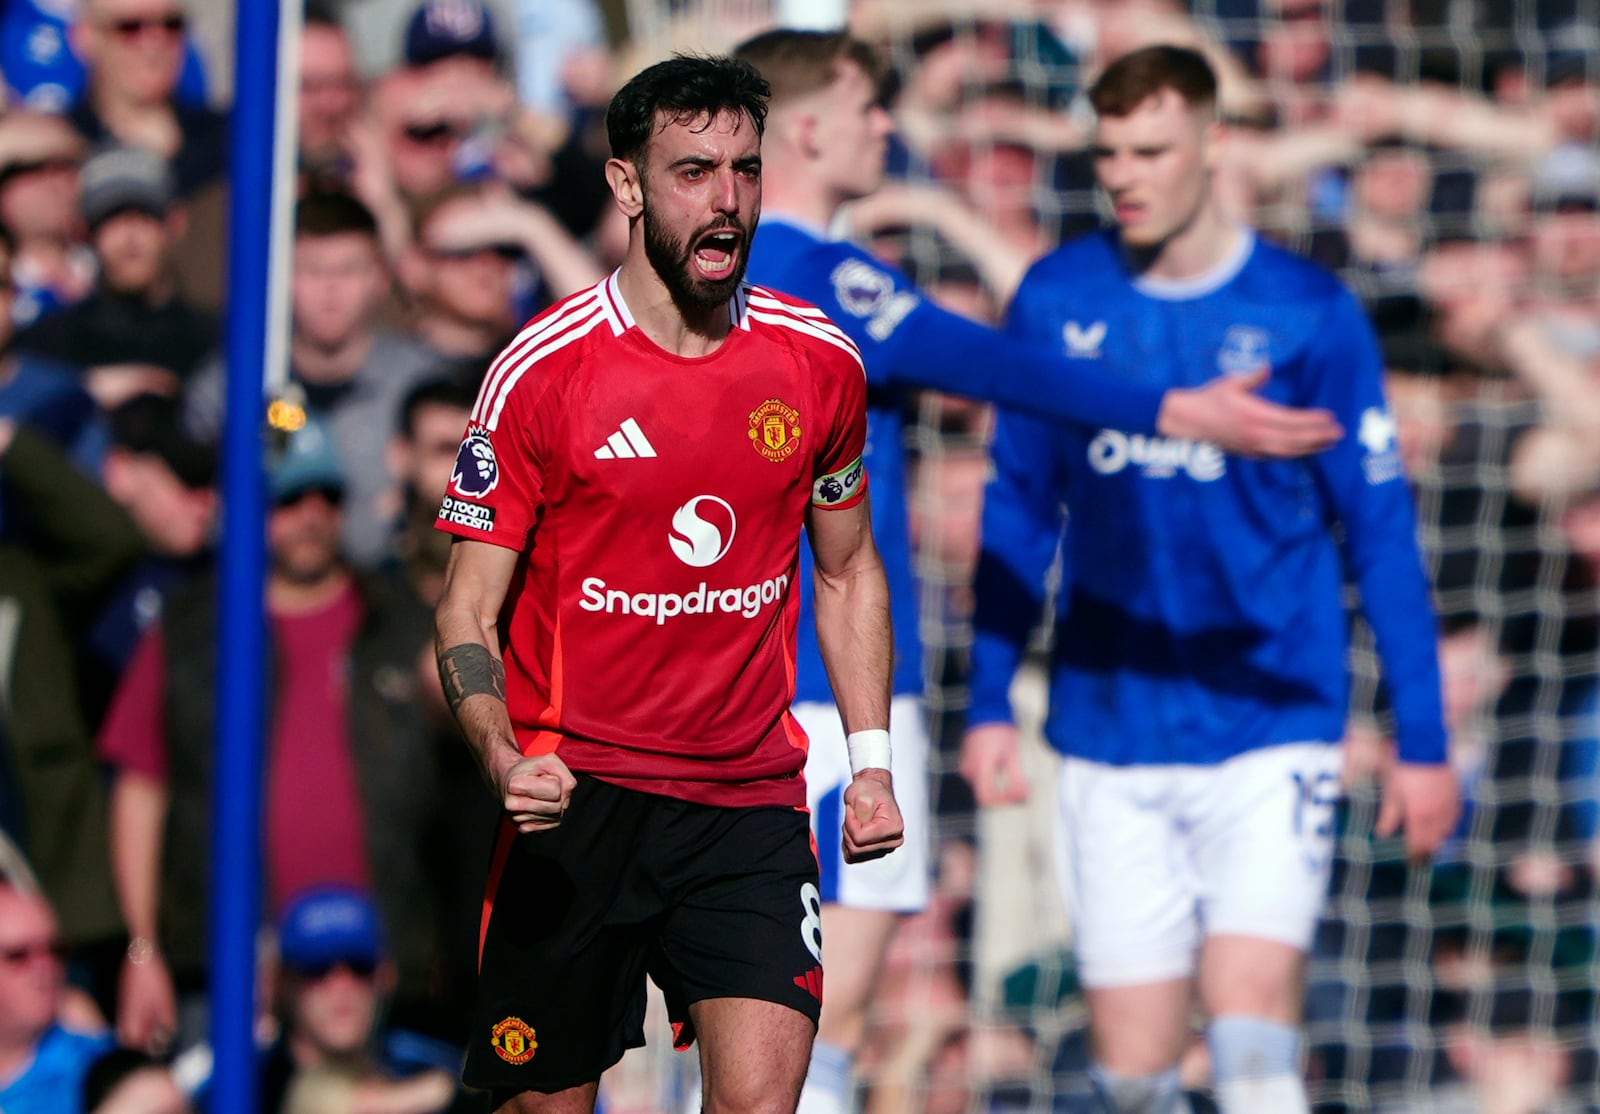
x=687, y=263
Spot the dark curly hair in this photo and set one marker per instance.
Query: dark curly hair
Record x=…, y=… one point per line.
x=685, y=87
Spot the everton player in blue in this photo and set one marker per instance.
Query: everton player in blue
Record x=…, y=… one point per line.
x=825, y=145
x=1198, y=681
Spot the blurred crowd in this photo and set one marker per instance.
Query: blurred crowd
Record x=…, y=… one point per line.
x=1443, y=157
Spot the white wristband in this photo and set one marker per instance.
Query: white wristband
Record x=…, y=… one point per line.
x=869, y=750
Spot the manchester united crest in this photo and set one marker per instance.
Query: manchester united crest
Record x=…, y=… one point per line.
x=775, y=429
x=513, y=1041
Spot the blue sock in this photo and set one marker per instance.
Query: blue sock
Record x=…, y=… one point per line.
x=830, y=1083
x=1255, y=1066
x=1142, y=1094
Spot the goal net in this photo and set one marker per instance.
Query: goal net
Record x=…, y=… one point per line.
x=1441, y=155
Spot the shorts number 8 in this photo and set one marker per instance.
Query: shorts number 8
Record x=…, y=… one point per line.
x=811, y=926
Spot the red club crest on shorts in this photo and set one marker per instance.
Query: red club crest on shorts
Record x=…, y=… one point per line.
x=775, y=429
x=513, y=1041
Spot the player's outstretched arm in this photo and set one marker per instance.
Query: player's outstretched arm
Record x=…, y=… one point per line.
x=852, y=616
x=534, y=790
x=1228, y=413
x=938, y=350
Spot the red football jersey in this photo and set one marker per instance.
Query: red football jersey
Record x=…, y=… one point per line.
x=649, y=633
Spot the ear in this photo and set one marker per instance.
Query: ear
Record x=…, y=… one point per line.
x=622, y=175
x=807, y=133
x=177, y=222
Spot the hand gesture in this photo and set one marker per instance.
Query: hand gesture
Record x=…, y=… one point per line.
x=991, y=761
x=872, y=823
x=1425, y=801
x=1228, y=413
x=536, y=791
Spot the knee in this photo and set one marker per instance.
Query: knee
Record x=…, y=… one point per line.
x=756, y=1094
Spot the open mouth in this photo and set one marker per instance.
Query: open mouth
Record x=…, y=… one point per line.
x=715, y=252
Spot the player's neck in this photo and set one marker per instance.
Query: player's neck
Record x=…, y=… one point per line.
x=790, y=197
x=1194, y=250
x=683, y=330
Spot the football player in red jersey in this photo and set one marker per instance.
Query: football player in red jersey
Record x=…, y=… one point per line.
x=617, y=631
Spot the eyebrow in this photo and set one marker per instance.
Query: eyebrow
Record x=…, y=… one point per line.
x=705, y=162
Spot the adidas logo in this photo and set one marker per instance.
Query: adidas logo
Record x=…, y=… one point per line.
x=625, y=444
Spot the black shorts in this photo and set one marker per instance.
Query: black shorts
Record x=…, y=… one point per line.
x=709, y=902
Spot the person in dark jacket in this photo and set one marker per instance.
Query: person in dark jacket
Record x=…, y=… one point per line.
x=348, y=787
x=65, y=547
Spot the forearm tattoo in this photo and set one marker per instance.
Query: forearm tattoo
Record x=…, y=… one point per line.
x=468, y=670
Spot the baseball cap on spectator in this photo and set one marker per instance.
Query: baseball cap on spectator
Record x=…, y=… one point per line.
x=446, y=28
x=330, y=924
x=126, y=179
x=152, y=425
x=308, y=461
x=1569, y=176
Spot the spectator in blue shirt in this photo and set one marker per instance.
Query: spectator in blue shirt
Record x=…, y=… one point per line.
x=42, y=1062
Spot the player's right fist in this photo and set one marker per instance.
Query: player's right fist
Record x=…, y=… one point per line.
x=991, y=761
x=873, y=826
x=536, y=791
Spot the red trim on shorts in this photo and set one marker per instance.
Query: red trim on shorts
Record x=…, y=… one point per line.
x=497, y=867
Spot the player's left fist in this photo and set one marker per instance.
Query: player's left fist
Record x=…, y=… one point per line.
x=1422, y=800
x=873, y=825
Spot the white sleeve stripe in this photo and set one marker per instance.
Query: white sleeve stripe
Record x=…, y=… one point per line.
x=823, y=324
x=810, y=328
x=553, y=345
x=819, y=322
x=575, y=316
x=809, y=313
x=760, y=297
x=529, y=337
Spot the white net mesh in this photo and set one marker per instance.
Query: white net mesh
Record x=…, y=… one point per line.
x=1441, y=155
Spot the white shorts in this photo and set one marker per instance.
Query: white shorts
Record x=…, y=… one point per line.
x=898, y=881
x=1156, y=858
